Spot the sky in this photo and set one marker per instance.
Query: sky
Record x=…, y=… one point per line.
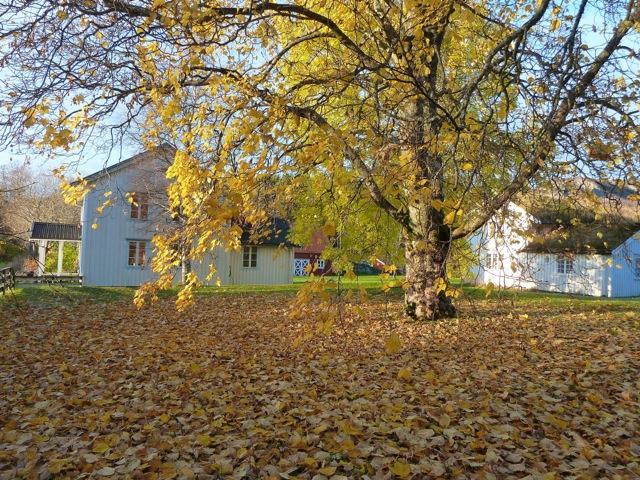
x=94, y=159
x=90, y=161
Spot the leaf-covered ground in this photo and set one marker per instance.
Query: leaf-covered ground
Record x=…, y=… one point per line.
x=234, y=389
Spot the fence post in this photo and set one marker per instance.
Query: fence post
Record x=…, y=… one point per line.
x=7, y=279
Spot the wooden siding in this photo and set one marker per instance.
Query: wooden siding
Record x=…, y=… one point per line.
x=500, y=236
x=273, y=267
x=104, y=251
x=590, y=276
x=624, y=281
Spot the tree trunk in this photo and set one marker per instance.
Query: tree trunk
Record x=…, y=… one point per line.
x=425, y=296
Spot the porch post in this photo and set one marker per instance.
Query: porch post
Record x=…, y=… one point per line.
x=79, y=247
x=60, y=255
x=42, y=254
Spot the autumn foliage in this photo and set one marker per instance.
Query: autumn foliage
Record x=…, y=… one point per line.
x=230, y=391
x=430, y=114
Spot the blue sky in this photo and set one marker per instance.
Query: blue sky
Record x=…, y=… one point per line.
x=90, y=161
x=94, y=159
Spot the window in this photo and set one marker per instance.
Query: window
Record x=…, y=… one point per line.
x=320, y=264
x=636, y=266
x=249, y=257
x=492, y=260
x=137, y=253
x=139, y=205
x=564, y=264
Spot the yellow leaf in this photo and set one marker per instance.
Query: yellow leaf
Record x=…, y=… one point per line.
x=164, y=418
x=444, y=421
x=350, y=429
x=450, y=217
x=401, y=469
x=328, y=471
x=393, y=344
x=100, y=447
x=466, y=166
x=321, y=428
x=168, y=471
x=57, y=465
x=488, y=289
x=94, y=225
x=204, y=440
x=440, y=285
x=556, y=422
x=404, y=374
x=329, y=229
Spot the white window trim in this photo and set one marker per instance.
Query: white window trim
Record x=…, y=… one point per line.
x=492, y=261
x=252, y=249
x=137, y=256
x=139, y=205
x=565, y=261
x=320, y=264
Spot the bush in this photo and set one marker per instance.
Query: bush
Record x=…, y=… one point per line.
x=8, y=250
x=69, y=260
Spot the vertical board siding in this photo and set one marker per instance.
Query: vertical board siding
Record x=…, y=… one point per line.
x=624, y=281
x=104, y=251
x=273, y=267
x=502, y=237
x=590, y=276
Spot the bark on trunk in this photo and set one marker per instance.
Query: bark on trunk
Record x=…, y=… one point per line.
x=426, y=264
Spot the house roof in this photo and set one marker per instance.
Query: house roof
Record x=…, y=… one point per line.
x=594, y=238
x=55, y=231
x=274, y=232
x=165, y=147
x=589, y=217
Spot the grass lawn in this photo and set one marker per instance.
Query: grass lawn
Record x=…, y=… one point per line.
x=520, y=386
x=54, y=295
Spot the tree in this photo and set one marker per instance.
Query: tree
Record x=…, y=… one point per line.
x=437, y=112
x=27, y=196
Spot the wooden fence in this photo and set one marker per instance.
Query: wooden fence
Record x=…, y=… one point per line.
x=7, y=280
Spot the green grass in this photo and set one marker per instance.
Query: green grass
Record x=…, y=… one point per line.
x=52, y=295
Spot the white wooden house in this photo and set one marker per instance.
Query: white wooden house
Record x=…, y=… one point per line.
x=116, y=240
x=524, y=249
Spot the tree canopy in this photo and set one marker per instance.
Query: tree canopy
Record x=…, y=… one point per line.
x=435, y=112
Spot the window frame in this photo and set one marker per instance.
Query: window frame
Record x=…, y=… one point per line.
x=564, y=265
x=139, y=203
x=139, y=255
x=250, y=256
x=492, y=261
x=320, y=264
x=636, y=267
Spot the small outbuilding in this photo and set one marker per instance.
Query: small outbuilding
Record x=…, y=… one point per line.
x=563, y=246
x=43, y=232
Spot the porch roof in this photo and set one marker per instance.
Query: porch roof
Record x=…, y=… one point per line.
x=55, y=231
